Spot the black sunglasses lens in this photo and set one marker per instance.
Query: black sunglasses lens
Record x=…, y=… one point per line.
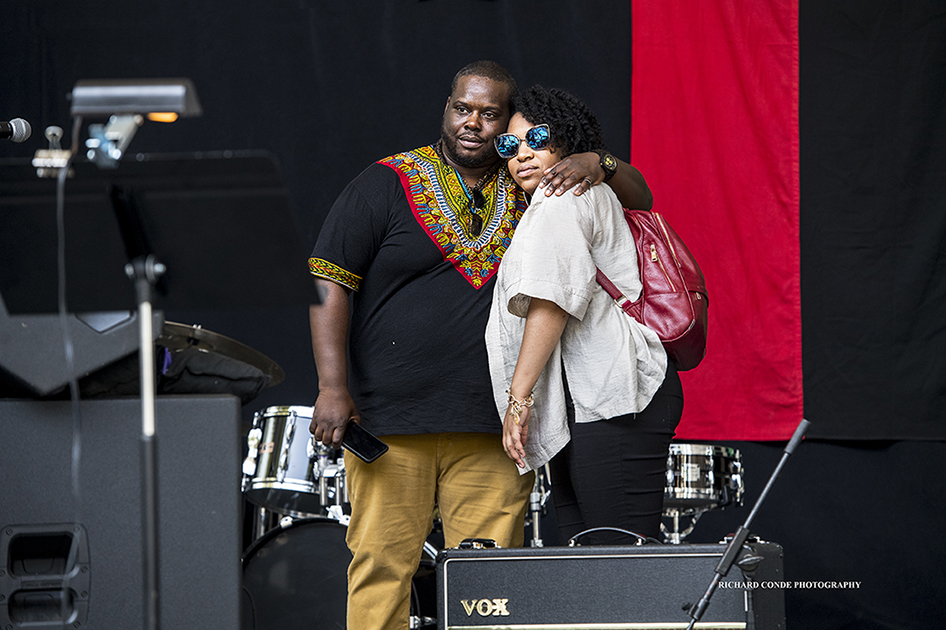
x=479, y=201
x=476, y=225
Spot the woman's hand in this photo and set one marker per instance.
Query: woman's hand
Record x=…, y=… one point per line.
x=515, y=435
x=580, y=171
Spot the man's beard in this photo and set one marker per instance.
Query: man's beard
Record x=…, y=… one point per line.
x=466, y=161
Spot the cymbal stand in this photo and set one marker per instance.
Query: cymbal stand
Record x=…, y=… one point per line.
x=676, y=536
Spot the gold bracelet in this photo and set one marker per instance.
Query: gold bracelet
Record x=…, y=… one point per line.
x=517, y=404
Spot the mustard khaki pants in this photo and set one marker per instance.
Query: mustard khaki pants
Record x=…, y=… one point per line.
x=478, y=489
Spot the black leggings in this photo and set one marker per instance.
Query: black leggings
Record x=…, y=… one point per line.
x=612, y=472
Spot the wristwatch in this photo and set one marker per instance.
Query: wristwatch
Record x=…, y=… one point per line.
x=608, y=163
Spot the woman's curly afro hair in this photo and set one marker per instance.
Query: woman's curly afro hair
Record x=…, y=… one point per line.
x=573, y=127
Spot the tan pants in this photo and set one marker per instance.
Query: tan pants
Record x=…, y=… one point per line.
x=477, y=487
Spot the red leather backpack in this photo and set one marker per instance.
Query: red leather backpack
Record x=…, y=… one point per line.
x=674, y=300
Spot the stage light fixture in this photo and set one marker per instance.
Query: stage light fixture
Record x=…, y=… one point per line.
x=105, y=97
x=127, y=102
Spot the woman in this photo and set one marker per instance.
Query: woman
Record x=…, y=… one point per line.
x=583, y=384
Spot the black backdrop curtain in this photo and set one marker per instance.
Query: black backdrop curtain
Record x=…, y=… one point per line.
x=328, y=88
x=873, y=218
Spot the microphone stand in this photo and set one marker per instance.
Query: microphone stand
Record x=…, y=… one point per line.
x=145, y=272
x=739, y=538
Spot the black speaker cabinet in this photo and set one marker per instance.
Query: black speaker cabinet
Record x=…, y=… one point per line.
x=74, y=559
x=615, y=587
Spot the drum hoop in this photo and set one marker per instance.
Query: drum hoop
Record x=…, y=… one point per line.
x=285, y=410
x=296, y=523
x=707, y=450
x=689, y=493
x=268, y=483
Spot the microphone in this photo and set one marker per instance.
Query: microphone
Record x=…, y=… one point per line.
x=17, y=130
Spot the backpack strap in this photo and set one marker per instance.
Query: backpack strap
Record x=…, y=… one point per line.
x=619, y=298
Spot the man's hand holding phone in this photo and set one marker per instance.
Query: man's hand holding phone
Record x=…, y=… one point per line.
x=363, y=443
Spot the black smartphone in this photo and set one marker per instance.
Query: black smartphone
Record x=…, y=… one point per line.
x=363, y=443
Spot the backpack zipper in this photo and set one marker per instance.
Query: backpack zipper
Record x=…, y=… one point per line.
x=655, y=258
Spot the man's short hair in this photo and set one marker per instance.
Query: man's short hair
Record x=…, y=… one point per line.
x=490, y=70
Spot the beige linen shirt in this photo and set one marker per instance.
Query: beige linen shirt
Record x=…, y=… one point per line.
x=614, y=365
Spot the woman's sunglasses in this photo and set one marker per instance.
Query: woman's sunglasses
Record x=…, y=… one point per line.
x=538, y=138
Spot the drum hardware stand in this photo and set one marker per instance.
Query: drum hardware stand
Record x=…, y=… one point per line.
x=267, y=520
x=742, y=534
x=340, y=492
x=261, y=522
x=675, y=536
x=537, y=501
x=339, y=489
x=421, y=622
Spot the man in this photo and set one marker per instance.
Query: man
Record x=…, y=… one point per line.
x=418, y=236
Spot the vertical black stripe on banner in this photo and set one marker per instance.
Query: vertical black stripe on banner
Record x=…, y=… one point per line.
x=873, y=218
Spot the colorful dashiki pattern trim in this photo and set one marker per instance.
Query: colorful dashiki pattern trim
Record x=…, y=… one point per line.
x=440, y=201
x=325, y=269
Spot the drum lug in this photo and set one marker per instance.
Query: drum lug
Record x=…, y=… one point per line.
x=286, y=521
x=336, y=512
x=287, y=440
x=252, y=442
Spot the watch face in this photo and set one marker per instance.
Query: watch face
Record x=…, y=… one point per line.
x=609, y=163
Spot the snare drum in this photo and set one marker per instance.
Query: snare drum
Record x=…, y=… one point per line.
x=285, y=470
x=702, y=477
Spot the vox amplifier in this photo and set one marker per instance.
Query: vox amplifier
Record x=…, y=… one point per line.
x=613, y=588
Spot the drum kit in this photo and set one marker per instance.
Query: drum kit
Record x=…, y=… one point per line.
x=295, y=560
x=294, y=569
x=700, y=478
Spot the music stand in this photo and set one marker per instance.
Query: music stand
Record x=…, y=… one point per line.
x=194, y=231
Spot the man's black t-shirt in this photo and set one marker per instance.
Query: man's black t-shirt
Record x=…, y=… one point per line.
x=399, y=236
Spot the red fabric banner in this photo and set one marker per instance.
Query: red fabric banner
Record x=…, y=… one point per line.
x=714, y=129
